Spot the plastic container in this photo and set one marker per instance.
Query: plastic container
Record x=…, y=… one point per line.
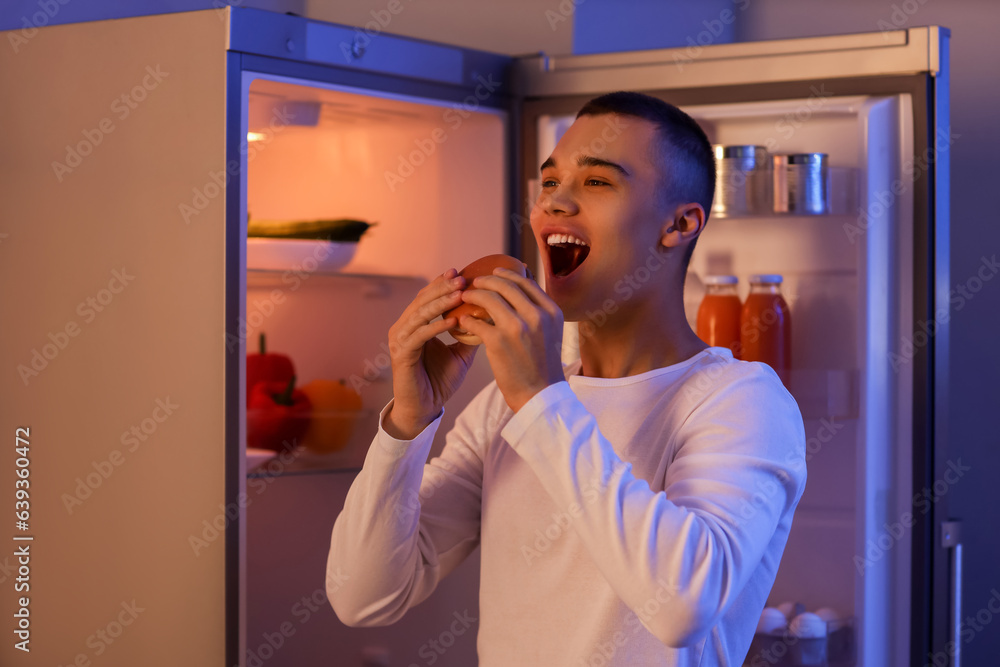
x=719, y=313
x=800, y=183
x=743, y=181
x=766, y=326
x=782, y=649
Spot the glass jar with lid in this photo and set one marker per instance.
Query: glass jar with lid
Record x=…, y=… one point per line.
x=719, y=313
x=766, y=325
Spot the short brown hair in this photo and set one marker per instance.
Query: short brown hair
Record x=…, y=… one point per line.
x=685, y=146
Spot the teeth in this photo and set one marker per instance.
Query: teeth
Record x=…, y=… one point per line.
x=554, y=239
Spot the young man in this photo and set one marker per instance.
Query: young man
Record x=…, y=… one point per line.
x=632, y=508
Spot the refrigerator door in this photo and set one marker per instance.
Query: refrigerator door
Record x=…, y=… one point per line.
x=870, y=380
x=113, y=339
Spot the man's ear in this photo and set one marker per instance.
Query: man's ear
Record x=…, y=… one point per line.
x=687, y=223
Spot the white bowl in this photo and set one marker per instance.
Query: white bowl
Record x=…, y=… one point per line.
x=298, y=254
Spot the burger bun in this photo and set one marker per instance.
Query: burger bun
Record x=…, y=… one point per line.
x=483, y=266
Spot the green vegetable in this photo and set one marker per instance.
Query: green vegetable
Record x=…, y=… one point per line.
x=342, y=229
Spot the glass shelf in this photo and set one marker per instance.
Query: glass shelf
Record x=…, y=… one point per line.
x=267, y=277
x=304, y=461
x=774, y=215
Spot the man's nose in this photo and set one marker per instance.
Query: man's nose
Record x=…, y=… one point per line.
x=559, y=200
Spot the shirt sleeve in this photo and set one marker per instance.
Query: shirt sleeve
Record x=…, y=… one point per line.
x=738, y=468
x=405, y=524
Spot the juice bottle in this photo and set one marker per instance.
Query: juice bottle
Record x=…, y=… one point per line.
x=766, y=325
x=719, y=314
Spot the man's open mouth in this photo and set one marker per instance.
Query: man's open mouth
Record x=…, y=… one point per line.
x=566, y=253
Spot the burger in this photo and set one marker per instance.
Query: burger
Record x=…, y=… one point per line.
x=481, y=267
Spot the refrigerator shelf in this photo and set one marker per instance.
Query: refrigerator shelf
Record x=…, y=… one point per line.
x=286, y=277
x=773, y=215
x=304, y=461
x=271, y=468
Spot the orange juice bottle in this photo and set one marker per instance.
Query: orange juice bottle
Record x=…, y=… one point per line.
x=766, y=325
x=719, y=314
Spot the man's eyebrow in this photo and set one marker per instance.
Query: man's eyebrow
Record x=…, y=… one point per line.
x=589, y=161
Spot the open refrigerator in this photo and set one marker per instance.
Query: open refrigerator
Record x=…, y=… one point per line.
x=265, y=116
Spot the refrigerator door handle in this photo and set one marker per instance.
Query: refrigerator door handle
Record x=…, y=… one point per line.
x=951, y=537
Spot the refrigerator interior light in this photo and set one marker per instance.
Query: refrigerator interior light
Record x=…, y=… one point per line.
x=256, y=136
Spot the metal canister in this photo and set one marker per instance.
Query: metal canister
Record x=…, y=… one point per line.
x=742, y=180
x=800, y=183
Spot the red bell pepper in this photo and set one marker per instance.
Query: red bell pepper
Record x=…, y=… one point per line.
x=278, y=416
x=267, y=367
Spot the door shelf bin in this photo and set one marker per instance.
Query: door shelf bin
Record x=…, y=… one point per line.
x=825, y=392
x=782, y=649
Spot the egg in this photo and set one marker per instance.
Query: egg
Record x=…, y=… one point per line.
x=771, y=622
x=807, y=626
x=827, y=614
x=788, y=609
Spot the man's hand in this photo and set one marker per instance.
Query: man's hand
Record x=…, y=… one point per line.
x=524, y=343
x=425, y=371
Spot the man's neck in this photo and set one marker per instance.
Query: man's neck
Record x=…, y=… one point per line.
x=639, y=340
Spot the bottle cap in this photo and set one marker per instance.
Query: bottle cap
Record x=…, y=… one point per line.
x=766, y=278
x=720, y=280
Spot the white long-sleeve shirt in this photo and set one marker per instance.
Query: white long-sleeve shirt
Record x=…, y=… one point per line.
x=623, y=521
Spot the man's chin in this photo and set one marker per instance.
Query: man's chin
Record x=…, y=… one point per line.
x=573, y=313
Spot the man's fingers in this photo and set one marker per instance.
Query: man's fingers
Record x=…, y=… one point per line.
x=510, y=292
x=477, y=327
x=524, y=296
x=447, y=282
x=496, y=306
x=431, y=301
x=421, y=335
x=531, y=288
x=428, y=331
x=432, y=309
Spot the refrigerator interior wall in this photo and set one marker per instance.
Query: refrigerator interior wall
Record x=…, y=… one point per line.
x=431, y=176
x=848, y=290
x=433, y=179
